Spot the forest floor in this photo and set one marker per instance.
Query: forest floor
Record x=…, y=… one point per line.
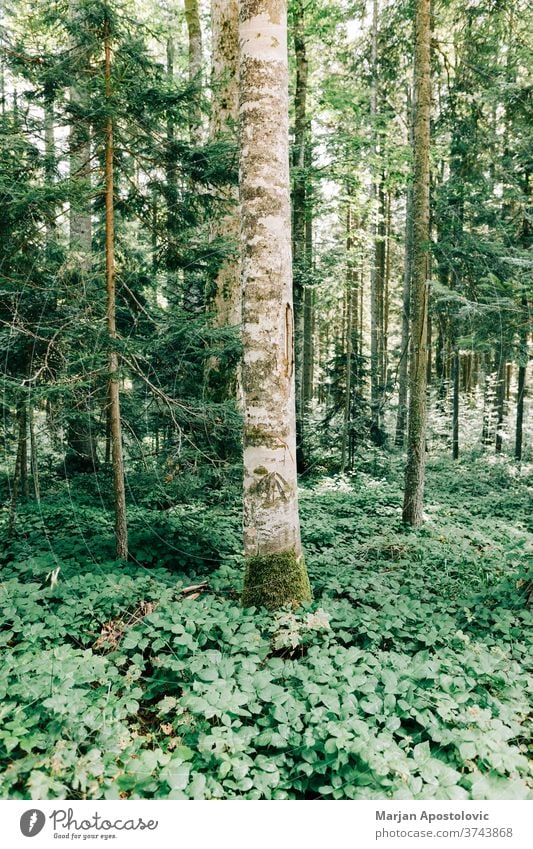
x=406, y=678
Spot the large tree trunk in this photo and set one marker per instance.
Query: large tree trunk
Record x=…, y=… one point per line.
x=299, y=224
x=275, y=571
x=413, y=503
x=225, y=302
x=119, y=492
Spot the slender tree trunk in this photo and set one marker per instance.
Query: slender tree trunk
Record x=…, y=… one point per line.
x=275, y=572
x=520, y=412
x=225, y=302
x=119, y=491
x=34, y=460
x=386, y=292
x=298, y=225
x=416, y=440
x=309, y=295
x=401, y=420
x=349, y=338
x=455, y=404
x=20, y=477
x=377, y=272
x=82, y=455
x=194, y=31
x=80, y=168
x=522, y=369
x=500, y=398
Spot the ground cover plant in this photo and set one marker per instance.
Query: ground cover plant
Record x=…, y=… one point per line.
x=405, y=678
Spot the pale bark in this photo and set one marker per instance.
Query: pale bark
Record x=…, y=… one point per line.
x=275, y=571
x=416, y=440
x=500, y=397
x=119, y=492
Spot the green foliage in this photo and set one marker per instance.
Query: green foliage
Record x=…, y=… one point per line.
x=405, y=679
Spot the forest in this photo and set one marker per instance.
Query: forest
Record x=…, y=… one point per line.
x=266, y=461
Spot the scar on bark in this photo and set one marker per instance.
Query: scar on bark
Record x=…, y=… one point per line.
x=288, y=358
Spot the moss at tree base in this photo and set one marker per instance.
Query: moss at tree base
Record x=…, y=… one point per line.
x=275, y=580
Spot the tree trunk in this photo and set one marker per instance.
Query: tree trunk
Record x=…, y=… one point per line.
x=275, y=571
x=500, y=398
x=20, y=477
x=225, y=302
x=34, y=462
x=349, y=338
x=520, y=412
x=522, y=369
x=119, y=492
x=82, y=455
x=386, y=292
x=80, y=169
x=401, y=420
x=455, y=404
x=416, y=440
x=299, y=252
x=194, y=32
x=309, y=296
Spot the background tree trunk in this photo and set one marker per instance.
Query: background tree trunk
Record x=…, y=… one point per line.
x=413, y=503
x=81, y=455
x=225, y=301
x=121, y=528
x=194, y=31
x=275, y=571
x=401, y=420
x=299, y=216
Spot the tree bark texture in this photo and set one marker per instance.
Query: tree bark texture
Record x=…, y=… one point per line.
x=416, y=440
x=275, y=571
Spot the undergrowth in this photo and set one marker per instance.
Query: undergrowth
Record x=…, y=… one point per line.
x=406, y=677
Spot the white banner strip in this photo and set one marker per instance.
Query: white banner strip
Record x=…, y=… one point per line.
x=287, y=825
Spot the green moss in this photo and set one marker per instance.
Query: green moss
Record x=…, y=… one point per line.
x=276, y=579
